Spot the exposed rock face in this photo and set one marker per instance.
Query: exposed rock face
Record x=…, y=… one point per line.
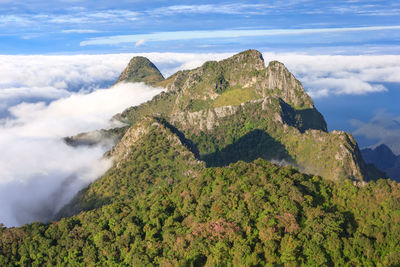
x=332, y=155
x=204, y=120
x=279, y=81
x=140, y=69
x=200, y=87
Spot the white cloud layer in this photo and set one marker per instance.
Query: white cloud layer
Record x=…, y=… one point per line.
x=23, y=78
x=325, y=75
x=39, y=172
x=51, y=77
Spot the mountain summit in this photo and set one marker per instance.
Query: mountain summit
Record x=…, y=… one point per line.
x=140, y=69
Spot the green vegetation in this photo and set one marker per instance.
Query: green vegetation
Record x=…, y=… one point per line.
x=140, y=69
x=246, y=214
x=160, y=157
x=161, y=104
x=235, y=96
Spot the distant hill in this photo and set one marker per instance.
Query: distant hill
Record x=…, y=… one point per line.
x=384, y=159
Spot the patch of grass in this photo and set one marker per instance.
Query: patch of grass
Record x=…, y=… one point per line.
x=235, y=96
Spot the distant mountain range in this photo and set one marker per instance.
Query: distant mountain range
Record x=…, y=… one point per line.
x=384, y=159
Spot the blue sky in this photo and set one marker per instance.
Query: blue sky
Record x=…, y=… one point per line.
x=74, y=26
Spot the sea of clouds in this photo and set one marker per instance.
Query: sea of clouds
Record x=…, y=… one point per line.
x=45, y=98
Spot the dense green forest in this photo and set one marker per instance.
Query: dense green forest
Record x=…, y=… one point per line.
x=249, y=214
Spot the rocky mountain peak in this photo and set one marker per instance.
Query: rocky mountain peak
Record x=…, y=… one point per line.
x=251, y=58
x=141, y=69
x=235, y=80
x=279, y=81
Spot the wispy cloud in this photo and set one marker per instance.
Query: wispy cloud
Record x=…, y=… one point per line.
x=277, y=7
x=140, y=42
x=230, y=8
x=87, y=17
x=217, y=34
x=80, y=31
x=79, y=18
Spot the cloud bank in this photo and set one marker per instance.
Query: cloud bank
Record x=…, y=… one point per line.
x=40, y=77
x=52, y=77
x=326, y=75
x=33, y=78
x=39, y=172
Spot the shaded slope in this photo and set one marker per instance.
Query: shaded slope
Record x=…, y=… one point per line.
x=332, y=155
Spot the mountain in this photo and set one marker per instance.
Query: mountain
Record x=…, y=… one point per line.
x=190, y=183
x=240, y=104
x=140, y=69
x=384, y=159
